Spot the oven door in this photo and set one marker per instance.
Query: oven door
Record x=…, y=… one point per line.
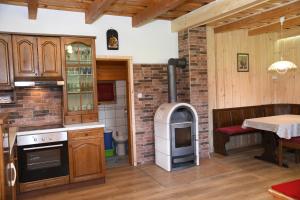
x=182, y=135
x=42, y=161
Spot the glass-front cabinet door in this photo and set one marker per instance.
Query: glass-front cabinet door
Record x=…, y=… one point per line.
x=79, y=78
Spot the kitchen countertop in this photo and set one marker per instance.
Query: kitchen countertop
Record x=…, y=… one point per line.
x=63, y=129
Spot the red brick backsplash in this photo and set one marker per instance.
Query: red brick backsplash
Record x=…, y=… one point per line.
x=35, y=107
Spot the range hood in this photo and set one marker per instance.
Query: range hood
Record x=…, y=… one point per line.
x=38, y=82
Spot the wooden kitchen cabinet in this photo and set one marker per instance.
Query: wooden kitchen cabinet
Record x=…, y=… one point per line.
x=79, y=71
x=49, y=56
x=86, y=155
x=6, y=62
x=25, y=56
x=36, y=56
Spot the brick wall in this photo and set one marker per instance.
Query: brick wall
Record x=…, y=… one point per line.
x=152, y=82
x=183, y=75
x=198, y=83
x=35, y=107
x=193, y=46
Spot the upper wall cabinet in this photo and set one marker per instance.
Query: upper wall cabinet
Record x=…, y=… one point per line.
x=6, y=62
x=25, y=56
x=37, y=56
x=49, y=56
x=79, y=67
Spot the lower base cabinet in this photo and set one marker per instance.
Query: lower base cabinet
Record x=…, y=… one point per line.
x=86, y=155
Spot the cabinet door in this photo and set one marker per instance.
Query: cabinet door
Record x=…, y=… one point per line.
x=49, y=56
x=79, y=69
x=25, y=56
x=86, y=158
x=6, y=63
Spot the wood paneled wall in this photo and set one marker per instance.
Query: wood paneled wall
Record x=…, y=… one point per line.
x=229, y=88
x=287, y=87
x=234, y=88
x=111, y=70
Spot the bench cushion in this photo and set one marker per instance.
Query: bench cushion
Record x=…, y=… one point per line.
x=235, y=130
x=290, y=189
x=294, y=140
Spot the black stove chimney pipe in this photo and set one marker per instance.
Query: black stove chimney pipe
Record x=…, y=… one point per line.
x=172, y=64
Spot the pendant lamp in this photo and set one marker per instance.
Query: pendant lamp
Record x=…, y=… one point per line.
x=282, y=66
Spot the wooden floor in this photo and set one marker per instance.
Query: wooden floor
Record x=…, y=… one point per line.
x=235, y=177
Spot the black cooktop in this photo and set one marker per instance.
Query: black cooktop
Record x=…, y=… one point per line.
x=33, y=128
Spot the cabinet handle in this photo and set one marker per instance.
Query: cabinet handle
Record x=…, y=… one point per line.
x=36, y=74
x=43, y=147
x=15, y=174
x=12, y=166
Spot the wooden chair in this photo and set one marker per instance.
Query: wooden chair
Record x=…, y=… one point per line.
x=286, y=191
x=293, y=143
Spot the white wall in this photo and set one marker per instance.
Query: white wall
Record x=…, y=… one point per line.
x=152, y=43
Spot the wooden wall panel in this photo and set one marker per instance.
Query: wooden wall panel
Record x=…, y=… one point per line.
x=287, y=87
x=111, y=70
x=258, y=86
x=243, y=88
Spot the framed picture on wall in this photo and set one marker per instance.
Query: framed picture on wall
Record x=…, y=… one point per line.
x=112, y=39
x=243, y=62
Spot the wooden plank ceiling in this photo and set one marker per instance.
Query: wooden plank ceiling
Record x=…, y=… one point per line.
x=258, y=16
x=263, y=18
x=142, y=11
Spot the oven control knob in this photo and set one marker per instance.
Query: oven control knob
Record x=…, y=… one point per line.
x=35, y=139
x=43, y=139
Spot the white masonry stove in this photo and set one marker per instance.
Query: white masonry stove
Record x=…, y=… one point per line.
x=176, y=128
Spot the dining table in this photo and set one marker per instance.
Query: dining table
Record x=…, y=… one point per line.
x=274, y=128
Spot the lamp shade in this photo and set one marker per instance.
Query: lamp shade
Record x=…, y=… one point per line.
x=282, y=66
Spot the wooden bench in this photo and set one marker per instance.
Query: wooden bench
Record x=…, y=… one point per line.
x=227, y=122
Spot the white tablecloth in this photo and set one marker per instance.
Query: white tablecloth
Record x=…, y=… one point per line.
x=285, y=126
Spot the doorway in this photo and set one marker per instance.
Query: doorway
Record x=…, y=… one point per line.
x=116, y=108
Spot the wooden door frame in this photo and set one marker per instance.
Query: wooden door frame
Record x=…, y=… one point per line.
x=130, y=104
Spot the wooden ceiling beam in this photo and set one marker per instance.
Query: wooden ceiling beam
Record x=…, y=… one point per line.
x=291, y=33
x=156, y=9
x=269, y=14
x=275, y=27
x=33, y=6
x=212, y=12
x=97, y=9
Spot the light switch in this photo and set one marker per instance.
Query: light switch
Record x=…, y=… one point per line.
x=140, y=95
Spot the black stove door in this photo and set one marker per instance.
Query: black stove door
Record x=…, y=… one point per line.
x=183, y=139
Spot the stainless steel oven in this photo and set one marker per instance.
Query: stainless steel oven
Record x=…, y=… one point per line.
x=42, y=156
